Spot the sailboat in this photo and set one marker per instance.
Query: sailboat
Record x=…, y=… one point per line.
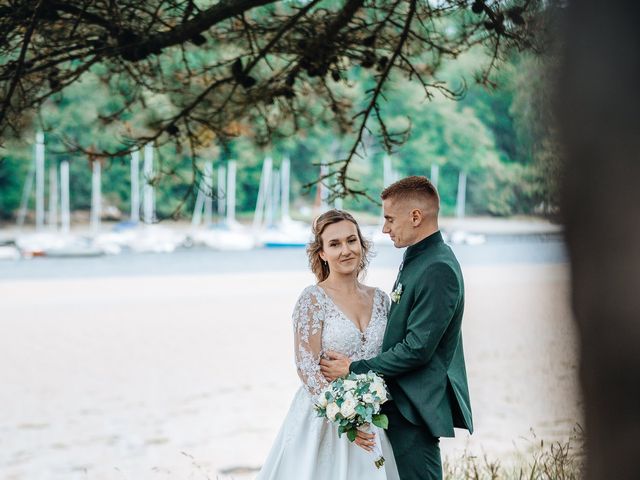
x=459, y=235
x=389, y=175
x=149, y=237
x=272, y=224
x=124, y=233
x=9, y=251
x=228, y=233
x=50, y=242
x=75, y=245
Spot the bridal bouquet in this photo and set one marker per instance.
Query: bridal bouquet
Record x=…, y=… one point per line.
x=353, y=403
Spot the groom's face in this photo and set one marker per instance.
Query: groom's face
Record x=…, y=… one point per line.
x=398, y=223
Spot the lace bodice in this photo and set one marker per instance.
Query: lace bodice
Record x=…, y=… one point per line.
x=320, y=326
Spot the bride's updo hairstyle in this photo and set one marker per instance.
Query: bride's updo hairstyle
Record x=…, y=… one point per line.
x=318, y=266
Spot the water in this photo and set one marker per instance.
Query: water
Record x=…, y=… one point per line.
x=499, y=250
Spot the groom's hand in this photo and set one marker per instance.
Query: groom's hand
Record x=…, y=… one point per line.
x=334, y=365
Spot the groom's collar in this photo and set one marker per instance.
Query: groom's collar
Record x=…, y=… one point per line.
x=423, y=245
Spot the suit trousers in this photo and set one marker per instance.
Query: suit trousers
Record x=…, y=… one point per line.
x=416, y=451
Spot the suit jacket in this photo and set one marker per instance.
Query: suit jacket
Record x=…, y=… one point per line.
x=422, y=358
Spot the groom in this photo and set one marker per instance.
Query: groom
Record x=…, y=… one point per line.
x=421, y=358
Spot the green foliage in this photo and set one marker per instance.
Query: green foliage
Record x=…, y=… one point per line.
x=12, y=172
x=500, y=138
x=381, y=421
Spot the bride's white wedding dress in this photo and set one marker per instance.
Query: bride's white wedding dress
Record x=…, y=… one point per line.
x=307, y=446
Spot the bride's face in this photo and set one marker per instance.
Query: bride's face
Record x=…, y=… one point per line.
x=341, y=247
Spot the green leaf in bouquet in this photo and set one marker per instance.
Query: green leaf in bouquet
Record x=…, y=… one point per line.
x=351, y=434
x=362, y=389
x=361, y=410
x=341, y=430
x=381, y=421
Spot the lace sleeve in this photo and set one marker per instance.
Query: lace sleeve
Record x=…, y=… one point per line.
x=308, y=318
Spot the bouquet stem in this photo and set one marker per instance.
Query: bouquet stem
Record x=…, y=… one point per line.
x=377, y=447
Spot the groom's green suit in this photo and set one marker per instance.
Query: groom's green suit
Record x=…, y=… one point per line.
x=422, y=359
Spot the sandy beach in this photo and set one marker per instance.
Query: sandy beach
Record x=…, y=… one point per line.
x=190, y=376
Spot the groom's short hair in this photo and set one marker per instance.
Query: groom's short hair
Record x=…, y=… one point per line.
x=415, y=188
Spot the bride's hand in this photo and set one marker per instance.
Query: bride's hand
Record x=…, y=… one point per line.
x=334, y=365
x=365, y=440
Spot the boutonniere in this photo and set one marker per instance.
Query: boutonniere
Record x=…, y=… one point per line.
x=396, y=294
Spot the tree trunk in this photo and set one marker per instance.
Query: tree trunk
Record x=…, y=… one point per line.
x=599, y=111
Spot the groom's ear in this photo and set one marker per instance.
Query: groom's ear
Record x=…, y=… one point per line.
x=416, y=217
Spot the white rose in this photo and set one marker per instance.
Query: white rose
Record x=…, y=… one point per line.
x=368, y=398
x=350, y=385
x=379, y=390
x=348, y=408
x=332, y=411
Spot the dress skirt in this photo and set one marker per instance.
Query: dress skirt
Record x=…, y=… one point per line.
x=307, y=447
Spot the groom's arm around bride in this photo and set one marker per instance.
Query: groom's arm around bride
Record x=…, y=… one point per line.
x=422, y=355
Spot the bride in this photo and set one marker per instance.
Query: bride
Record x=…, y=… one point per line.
x=337, y=314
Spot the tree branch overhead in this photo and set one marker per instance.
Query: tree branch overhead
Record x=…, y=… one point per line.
x=260, y=68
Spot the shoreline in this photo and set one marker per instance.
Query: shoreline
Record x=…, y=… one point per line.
x=485, y=225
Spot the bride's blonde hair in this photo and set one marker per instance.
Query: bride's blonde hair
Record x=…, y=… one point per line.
x=320, y=268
